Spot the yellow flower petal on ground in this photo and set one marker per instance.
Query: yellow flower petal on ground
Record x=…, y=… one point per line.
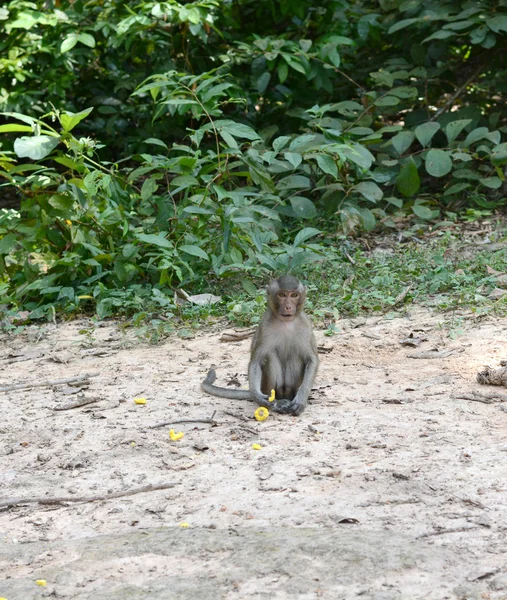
x=256, y=446
x=139, y=400
x=41, y=582
x=184, y=525
x=272, y=397
x=261, y=414
x=175, y=436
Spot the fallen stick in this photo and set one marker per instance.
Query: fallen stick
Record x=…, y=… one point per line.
x=64, y=500
x=26, y=386
x=77, y=403
x=210, y=421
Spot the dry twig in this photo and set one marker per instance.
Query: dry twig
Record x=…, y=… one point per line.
x=210, y=421
x=33, y=384
x=64, y=500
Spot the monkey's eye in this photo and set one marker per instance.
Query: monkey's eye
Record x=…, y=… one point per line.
x=281, y=294
x=294, y=295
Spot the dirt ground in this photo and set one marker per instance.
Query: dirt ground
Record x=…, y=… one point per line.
x=392, y=484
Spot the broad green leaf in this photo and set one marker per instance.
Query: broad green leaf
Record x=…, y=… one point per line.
x=304, y=235
x=7, y=243
x=425, y=132
x=238, y=130
x=156, y=142
x=423, y=212
x=69, y=120
x=61, y=202
x=368, y=218
x=357, y=154
x=86, y=39
x=475, y=135
x=334, y=57
x=283, y=71
x=498, y=23
x=183, y=182
x=294, y=182
x=13, y=127
x=194, y=251
x=263, y=82
x=294, y=159
x=454, y=128
x=401, y=25
x=439, y=35
x=280, y=142
x=456, y=189
x=327, y=164
x=305, y=45
x=154, y=240
x=68, y=43
x=404, y=91
x=303, y=207
x=369, y=190
x=148, y=188
x=438, y=162
x=493, y=183
x=408, y=181
x=402, y=141
x=499, y=154
x=35, y=147
x=387, y=101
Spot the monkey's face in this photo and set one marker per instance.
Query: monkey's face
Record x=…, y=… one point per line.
x=289, y=304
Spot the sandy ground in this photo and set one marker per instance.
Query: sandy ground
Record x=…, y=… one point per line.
x=387, y=449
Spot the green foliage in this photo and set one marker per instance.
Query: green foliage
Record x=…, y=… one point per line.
x=218, y=138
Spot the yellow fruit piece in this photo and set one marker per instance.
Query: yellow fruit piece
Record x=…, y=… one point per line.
x=133, y=444
x=139, y=400
x=175, y=436
x=261, y=414
x=41, y=582
x=184, y=525
x=256, y=446
x=68, y=221
x=272, y=397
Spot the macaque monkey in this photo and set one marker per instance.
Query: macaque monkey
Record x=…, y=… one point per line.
x=283, y=356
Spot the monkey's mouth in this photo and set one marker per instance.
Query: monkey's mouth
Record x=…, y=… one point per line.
x=287, y=317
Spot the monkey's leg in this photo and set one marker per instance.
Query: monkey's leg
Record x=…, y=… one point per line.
x=297, y=405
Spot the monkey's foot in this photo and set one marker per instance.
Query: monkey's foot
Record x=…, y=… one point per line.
x=289, y=407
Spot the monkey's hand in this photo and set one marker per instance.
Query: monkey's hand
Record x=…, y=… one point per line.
x=261, y=399
x=290, y=407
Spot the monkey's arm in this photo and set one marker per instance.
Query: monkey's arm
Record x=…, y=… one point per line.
x=208, y=387
x=297, y=405
x=255, y=381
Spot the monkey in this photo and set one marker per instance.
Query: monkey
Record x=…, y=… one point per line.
x=283, y=355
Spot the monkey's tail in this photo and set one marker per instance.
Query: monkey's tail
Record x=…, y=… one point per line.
x=208, y=387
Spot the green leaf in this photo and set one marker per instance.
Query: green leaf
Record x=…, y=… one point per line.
x=263, y=82
x=438, y=162
x=454, y=128
x=304, y=235
x=439, y=35
x=499, y=154
x=69, y=120
x=182, y=182
x=35, y=147
x=368, y=218
x=283, y=71
x=425, y=132
x=13, y=127
x=194, y=251
x=7, y=243
x=497, y=24
x=294, y=159
x=423, y=212
x=280, y=142
x=402, y=141
x=68, y=43
x=156, y=142
x=404, y=91
x=86, y=39
x=408, y=181
x=294, y=182
x=148, y=188
x=334, y=57
x=369, y=190
x=493, y=183
x=61, y=202
x=456, y=188
x=303, y=207
x=237, y=129
x=401, y=25
x=475, y=135
x=358, y=154
x=327, y=164
x=387, y=101
x=154, y=240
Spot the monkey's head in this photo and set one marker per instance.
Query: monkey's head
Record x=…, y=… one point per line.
x=286, y=297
